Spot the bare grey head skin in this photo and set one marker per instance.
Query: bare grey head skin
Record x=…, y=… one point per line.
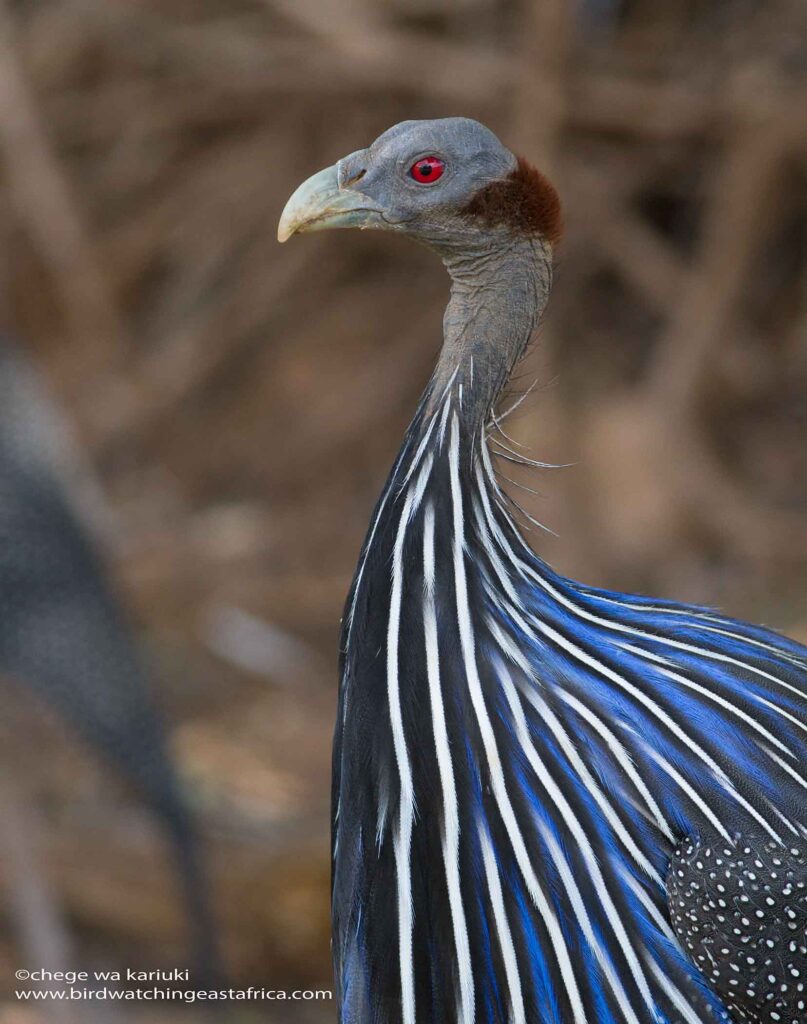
x=490, y=217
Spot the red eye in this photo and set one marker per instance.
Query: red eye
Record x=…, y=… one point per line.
x=427, y=170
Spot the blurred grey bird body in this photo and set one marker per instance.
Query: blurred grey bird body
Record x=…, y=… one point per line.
x=63, y=639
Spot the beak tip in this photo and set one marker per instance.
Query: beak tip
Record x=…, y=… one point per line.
x=287, y=226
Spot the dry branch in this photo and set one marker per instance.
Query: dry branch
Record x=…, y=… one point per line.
x=45, y=203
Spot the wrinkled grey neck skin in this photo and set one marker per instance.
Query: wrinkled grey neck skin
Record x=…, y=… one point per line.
x=499, y=287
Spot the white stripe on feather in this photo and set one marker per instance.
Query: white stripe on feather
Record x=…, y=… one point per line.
x=716, y=698
x=517, y=1014
x=451, y=827
x=649, y=905
x=498, y=785
x=579, y=907
x=787, y=768
x=585, y=775
x=527, y=569
x=789, y=825
x=444, y=419
x=584, y=845
x=703, y=617
x=673, y=994
x=550, y=718
x=418, y=454
x=659, y=638
x=623, y=757
x=608, y=673
x=403, y=831
x=648, y=702
x=685, y=787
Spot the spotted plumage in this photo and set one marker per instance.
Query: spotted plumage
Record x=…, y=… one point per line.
x=526, y=769
x=740, y=909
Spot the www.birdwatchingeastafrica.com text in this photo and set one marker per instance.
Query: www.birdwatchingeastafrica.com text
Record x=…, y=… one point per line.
x=129, y=985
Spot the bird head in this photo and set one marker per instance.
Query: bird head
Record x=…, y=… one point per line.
x=445, y=182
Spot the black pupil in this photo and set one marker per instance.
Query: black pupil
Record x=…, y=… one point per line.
x=426, y=169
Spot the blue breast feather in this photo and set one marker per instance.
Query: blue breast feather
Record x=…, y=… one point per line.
x=517, y=756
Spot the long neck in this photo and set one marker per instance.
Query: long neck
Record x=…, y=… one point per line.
x=497, y=296
x=498, y=292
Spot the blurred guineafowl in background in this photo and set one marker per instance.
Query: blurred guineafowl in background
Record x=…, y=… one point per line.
x=551, y=803
x=62, y=636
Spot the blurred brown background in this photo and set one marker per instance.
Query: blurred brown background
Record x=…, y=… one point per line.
x=239, y=403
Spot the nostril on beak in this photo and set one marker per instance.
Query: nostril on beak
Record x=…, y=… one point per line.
x=356, y=177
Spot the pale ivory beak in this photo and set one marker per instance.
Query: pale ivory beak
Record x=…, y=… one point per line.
x=320, y=203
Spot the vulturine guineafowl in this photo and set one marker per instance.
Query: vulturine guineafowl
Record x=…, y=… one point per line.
x=551, y=803
x=62, y=636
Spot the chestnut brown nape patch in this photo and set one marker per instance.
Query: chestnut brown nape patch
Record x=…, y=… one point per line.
x=525, y=200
